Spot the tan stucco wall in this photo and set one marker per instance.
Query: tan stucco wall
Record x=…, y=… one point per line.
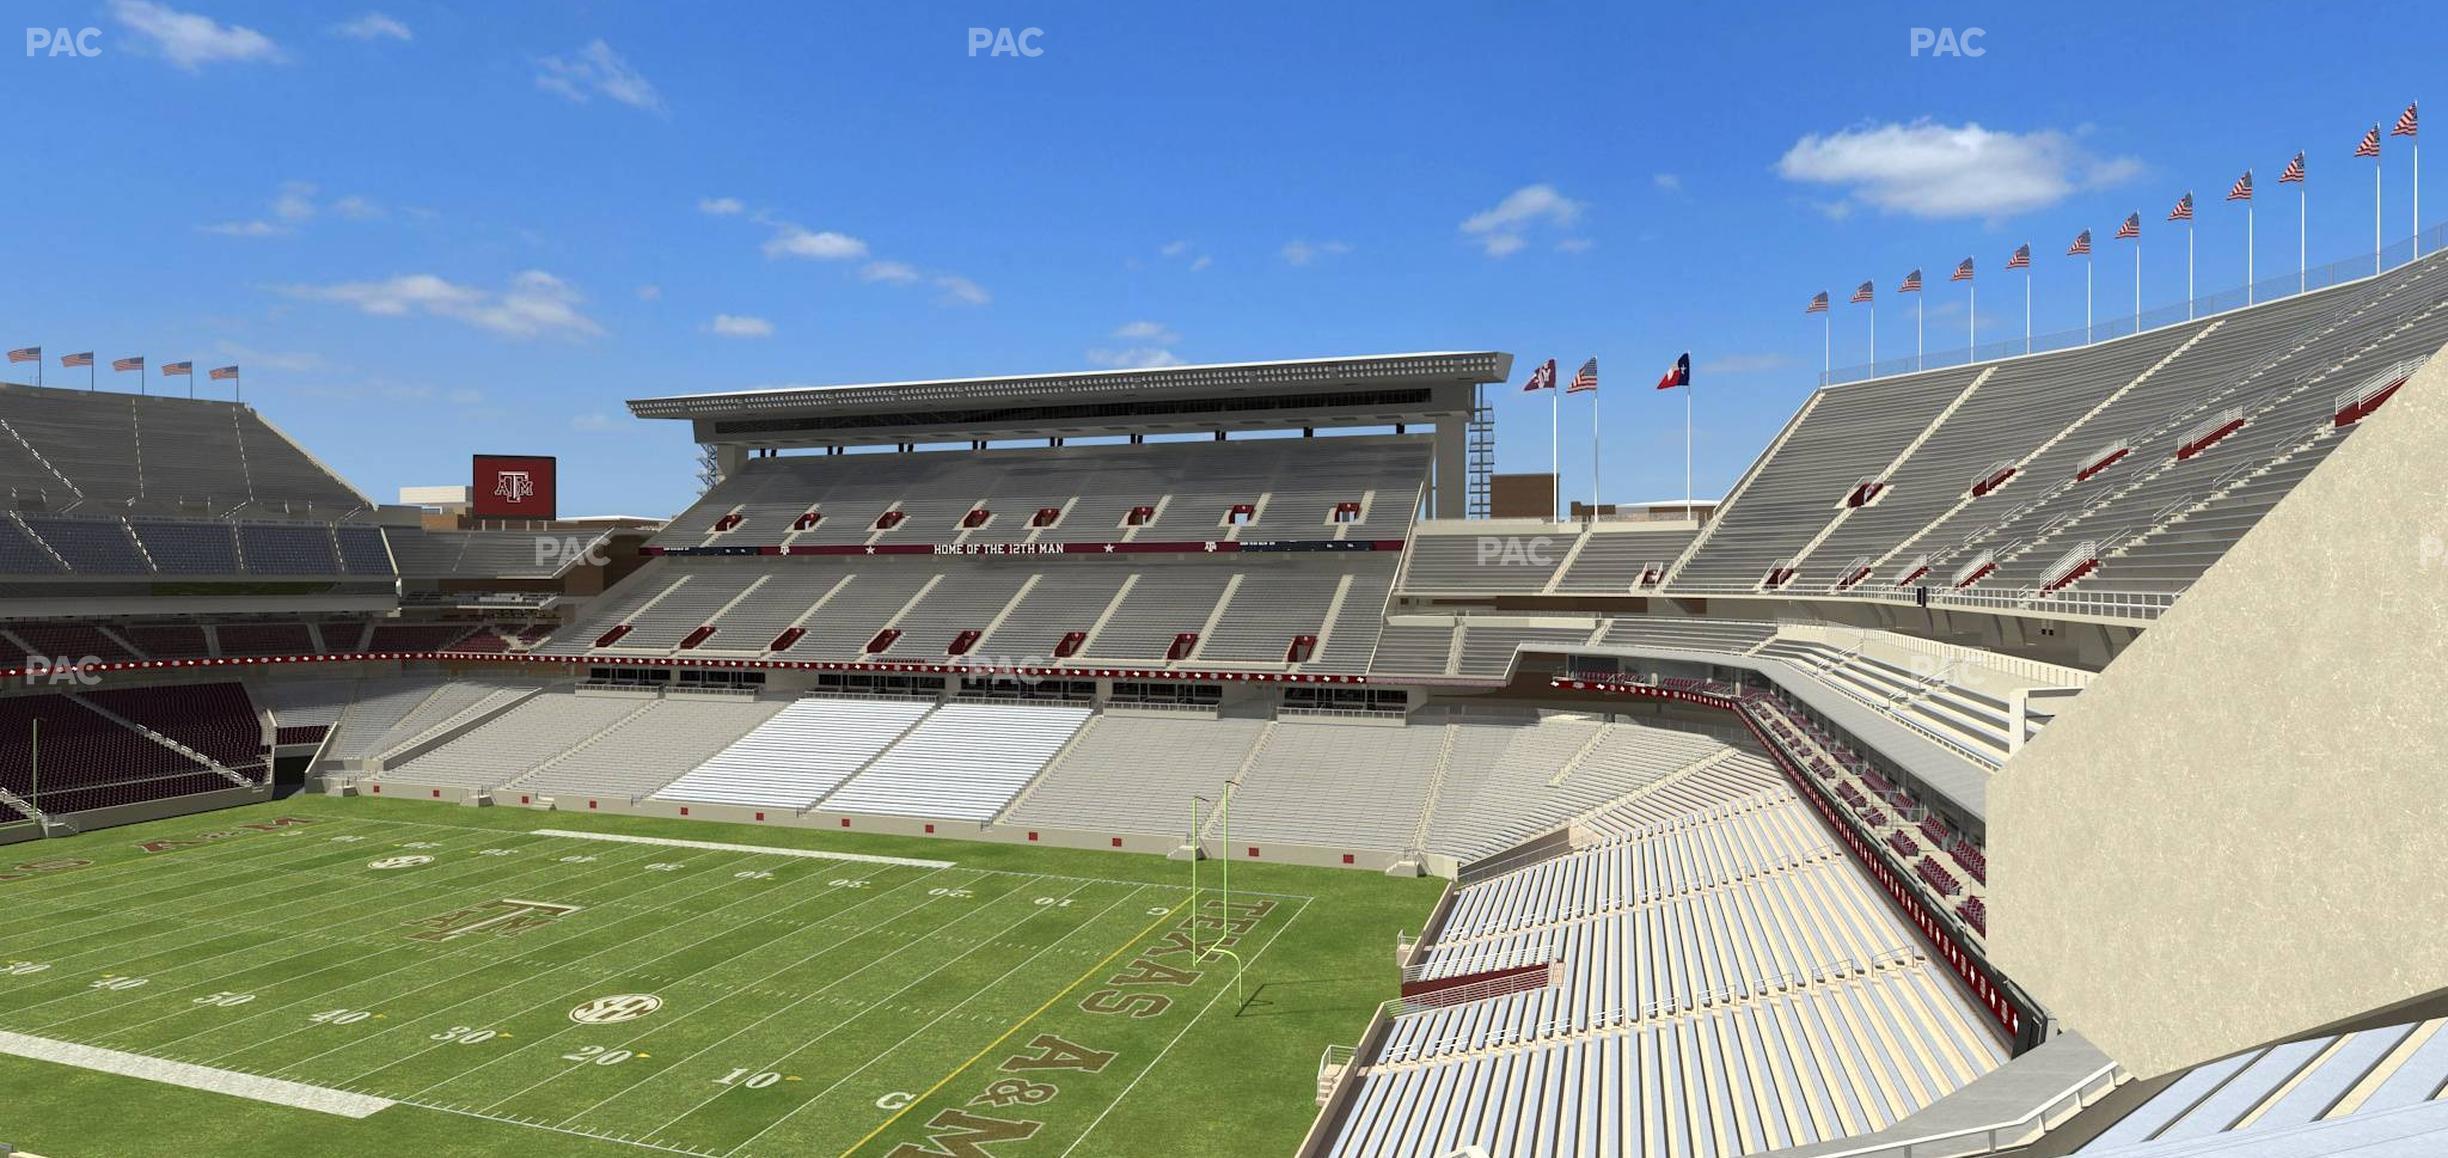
x=2241, y=830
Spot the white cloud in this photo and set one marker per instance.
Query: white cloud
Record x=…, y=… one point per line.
x=590, y=423
x=190, y=41
x=719, y=206
x=357, y=208
x=295, y=201
x=252, y=359
x=891, y=272
x=1925, y=169
x=535, y=304
x=596, y=70
x=1140, y=358
x=796, y=241
x=1503, y=230
x=374, y=26
x=741, y=326
x=1302, y=252
x=1203, y=262
x=1667, y=182
x=245, y=229
x=1155, y=332
x=960, y=291
x=1574, y=245
x=650, y=293
x=1175, y=248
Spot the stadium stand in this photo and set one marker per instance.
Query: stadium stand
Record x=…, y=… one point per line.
x=1109, y=780
x=800, y=753
x=139, y=454
x=514, y=743
x=963, y=762
x=649, y=749
x=2289, y=1094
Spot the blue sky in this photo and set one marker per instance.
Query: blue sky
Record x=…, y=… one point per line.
x=428, y=230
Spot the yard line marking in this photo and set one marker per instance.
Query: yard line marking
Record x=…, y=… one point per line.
x=153, y=875
x=319, y=891
x=1177, y=1038
x=475, y=880
x=563, y=994
x=747, y=988
x=195, y=1077
x=472, y=945
x=991, y=1046
x=1031, y=914
x=774, y=850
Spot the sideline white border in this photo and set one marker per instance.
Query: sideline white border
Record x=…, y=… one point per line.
x=195, y=1077
x=720, y=846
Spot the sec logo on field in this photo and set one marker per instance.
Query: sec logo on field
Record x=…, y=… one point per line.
x=622, y=1007
x=394, y=862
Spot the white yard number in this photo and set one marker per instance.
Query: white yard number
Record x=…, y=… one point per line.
x=346, y=839
x=463, y=1035
x=662, y=867
x=580, y=858
x=1055, y=902
x=752, y=875
x=957, y=894
x=847, y=883
x=755, y=1081
x=420, y=844
x=494, y=852
x=341, y=1016
x=225, y=999
x=21, y=968
x=117, y=983
x=598, y=1055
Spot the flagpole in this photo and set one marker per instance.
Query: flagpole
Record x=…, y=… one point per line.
x=1593, y=507
x=2417, y=147
x=1555, y=443
x=1873, y=338
x=1916, y=333
x=1827, y=346
x=2303, y=226
x=2137, y=285
x=2027, y=309
x=1687, y=449
x=2188, y=280
x=2248, y=253
x=2086, y=298
x=1972, y=322
x=2375, y=210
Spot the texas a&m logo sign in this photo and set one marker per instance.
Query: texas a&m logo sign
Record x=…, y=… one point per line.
x=513, y=486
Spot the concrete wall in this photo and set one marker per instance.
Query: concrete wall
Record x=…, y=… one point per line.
x=2241, y=829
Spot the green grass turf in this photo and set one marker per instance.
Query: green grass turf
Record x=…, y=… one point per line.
x=889, y=1004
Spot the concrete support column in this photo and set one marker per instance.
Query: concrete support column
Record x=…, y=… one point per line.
x=1452, y=493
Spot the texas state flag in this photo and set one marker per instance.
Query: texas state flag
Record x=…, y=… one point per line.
x=1679, y=376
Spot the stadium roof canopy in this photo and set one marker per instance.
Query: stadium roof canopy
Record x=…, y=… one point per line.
x=1426, y=389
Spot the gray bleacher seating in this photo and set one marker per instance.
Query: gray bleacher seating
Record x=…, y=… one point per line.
x=1106, y=781
x=797, y=755
x=287, y=549
x=964, y=762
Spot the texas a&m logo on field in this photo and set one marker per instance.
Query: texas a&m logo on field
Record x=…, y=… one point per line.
x=502, y=918
x=513, y=486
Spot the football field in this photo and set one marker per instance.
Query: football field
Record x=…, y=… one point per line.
x=318, y=968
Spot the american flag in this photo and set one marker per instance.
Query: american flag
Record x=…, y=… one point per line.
x=174, y=369
x=1818, y=303
x=2021, y=258
x=224, y=373
x=1962, y=272
x=1862, y=293
x=1678, y=374
x=2081, y=246
x=84, y=359
x=2405, y=123
x=2370, y=146
x=29, y=354
x=2243, y=188
x=2294, y=174
x=1585, y=378
x=136, y=363
x=2183, y=210
x=1912, y=283
x=2132, y=226
x=1542, y=378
